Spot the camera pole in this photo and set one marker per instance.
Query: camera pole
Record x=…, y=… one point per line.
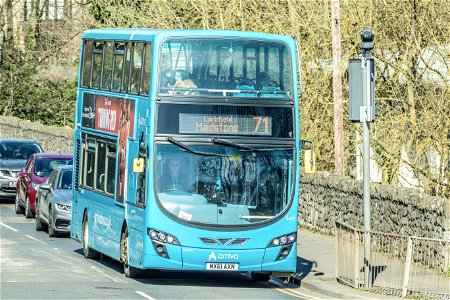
x=366, y=117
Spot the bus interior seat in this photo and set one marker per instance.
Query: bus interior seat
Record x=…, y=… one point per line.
x=270, y=89
x=245, y=85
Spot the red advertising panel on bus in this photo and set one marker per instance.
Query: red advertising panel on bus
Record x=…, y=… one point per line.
x=108, y=114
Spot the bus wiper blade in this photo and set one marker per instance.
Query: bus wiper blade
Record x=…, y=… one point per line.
x=185, y=147
x=228, y=143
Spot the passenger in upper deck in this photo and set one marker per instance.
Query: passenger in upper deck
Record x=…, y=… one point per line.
x=182, y=81
x=268, y=87
x=262, y=80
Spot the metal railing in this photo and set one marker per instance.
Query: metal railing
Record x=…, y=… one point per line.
x=398, y=265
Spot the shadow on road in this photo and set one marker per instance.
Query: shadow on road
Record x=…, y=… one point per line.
x=213, y=278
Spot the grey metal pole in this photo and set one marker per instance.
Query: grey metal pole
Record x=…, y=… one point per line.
x=365, y=70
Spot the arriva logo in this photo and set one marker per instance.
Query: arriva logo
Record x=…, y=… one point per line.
x=213, y=256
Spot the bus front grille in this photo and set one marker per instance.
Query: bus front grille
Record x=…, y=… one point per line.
x=224, y=241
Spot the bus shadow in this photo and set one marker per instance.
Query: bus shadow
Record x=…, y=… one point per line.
x=304, y=268
x=210, y=278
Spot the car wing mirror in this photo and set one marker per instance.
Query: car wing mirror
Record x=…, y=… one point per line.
x=45, y=187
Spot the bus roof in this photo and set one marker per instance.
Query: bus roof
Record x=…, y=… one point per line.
x=147, y=34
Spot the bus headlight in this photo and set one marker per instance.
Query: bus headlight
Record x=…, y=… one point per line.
x=162, y=237
x=283, y=240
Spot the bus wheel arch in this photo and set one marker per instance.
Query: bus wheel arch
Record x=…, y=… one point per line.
x=87, y=251
x=129, y=271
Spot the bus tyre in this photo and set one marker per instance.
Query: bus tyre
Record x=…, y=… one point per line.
x=87, y=252
x=260, y=276
x=19, y=209
x=129, y=271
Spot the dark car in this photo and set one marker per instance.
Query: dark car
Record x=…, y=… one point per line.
x=36, y=171
x=13, y=156
x=54, y=202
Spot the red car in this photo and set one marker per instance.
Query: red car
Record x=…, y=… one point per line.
x=35, y=172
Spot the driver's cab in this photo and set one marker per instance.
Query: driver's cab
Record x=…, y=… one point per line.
x=173, y=175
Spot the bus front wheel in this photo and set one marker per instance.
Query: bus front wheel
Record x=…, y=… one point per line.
x=130, y=272
x=87, y=252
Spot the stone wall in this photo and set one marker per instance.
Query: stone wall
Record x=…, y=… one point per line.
x=324, y=197
x=51, y=138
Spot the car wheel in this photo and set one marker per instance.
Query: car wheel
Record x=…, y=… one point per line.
x=28, y=212
x=87, y=252
x=130, y=272
x=19, y=209
x=51, y=228
x=39, y=225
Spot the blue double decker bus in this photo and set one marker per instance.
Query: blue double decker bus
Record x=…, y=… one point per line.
x=186, y=149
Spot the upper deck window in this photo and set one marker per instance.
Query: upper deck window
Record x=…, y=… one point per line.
x=225, y=67
x=117, y=66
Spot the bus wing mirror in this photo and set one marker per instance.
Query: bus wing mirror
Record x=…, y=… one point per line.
x=138, y=165
x=309, y=156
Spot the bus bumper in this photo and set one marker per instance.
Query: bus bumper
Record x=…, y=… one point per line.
x=197, y=259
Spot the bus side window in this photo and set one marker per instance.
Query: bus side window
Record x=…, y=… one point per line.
x=136, y=67
x=145, y=86
x=101, y=166
x=97, y=64
x=89, y=169
x=107, y=66
x=126, y=73
x=111, y=168
x=118, y=62
x=87, y=63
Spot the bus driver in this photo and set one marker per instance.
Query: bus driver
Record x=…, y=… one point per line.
x=171, y=179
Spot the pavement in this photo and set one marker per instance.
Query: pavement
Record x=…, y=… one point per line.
x=316, y=269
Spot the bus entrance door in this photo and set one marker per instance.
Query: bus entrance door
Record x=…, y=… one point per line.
x=135, y=200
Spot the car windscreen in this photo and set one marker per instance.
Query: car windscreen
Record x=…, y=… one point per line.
x=44, y=166
x=65, y=180
x=17, y=150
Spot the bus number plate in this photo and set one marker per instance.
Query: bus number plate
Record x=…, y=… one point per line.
x=222, y=266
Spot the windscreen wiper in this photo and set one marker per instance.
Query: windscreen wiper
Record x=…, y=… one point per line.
x=228, y=143
x=187, y=148
x=239, y=146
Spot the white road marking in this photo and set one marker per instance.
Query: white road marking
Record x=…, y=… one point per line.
x=108, y=276
x=145, y=295
x=9, y=227
x=29, y=236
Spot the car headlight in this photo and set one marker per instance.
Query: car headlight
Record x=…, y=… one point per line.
x=63, y=207
x=283, y=240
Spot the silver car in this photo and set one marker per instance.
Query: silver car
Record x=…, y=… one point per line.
x=54, y=202
x=13, y=156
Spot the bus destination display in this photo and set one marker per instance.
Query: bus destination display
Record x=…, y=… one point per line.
x=225, y=124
